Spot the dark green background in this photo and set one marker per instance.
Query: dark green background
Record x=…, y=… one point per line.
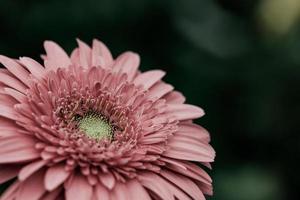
x=216, y=52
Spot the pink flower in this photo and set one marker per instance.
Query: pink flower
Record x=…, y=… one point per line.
x=89, y=127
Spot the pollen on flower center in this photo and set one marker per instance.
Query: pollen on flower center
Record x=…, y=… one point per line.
x=95, y=126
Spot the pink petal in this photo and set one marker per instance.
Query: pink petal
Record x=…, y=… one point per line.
x=32, y=188
x=12, y=82
x=128, y=63
x=55, y=176
x=101, y=55
x=186, y=152
x=8, y=112
x=193, y=131
x=35, y=68
x=56, y=57
x=84, y=54
x=8, y=172
x=175, y=97
x=11, y=192
x=148, y=79
x=75, y=57
x=156, y=184
x=20, y=97
x=79, y=188
x=17, y=149
x=31, y=168
x=159, y=90
x=193, y=171
x=7, y=100
x=100, y=192
x=137, y=191
x=184, y=183
x=53, y=195
x=16, y=69
x=185, y=111
x=107, y=179
x=120, y=192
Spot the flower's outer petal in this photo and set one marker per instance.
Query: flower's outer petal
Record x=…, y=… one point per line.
x=8, y=172
x=53, y=195
x=101, y=55
x=184, y=111
x=185, y=148
x=196, y=173
x=79, y=188
x=158, y=90
x=8, y=112
x=193, y=131
x=12, y=82
x=35, y=68
x=107, y=179
x=184, y=183
x=148, y=79
x=175, y=97
x=31, y=168
x=55, y=176
x=85, y=54
x=17, y=149
x=75, y=57
x=16, y=69
x=20, y=97
x=120, y=192
x=7, y=100
x=11, y=192
x=128, y=63
x=100, y=193
x=32, y=188
x=137, y=191
x=56, y=57
x=156, y=184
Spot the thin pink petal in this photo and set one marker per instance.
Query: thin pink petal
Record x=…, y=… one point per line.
x=32, y=188
x=137, y=191
x=174, y=97
x=11, y=192
x=148, y=79
x=12, y=82
x=156, y=184
x=128, y=63
x=79, y=188
x=8, y=172
x=184, y=183
x=185, y=111
x=20, y=97
x=16, y=69
x=107, y=179
x=101, y=55
x=159, y=90
x=56, y=57
x=84, y=54
x=100, y=192
x=17, y=149
x=53, y=195
x=35, y=68
x=30, y=169
x=8, y=112
x=55, y=176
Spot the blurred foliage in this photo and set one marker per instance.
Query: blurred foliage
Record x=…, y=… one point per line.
x=235, y=58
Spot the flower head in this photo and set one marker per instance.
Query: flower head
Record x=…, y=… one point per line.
x=92, y=127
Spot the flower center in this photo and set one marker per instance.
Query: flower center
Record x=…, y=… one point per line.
x=96, y=126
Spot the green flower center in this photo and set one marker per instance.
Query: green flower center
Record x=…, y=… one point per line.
x=96, y=126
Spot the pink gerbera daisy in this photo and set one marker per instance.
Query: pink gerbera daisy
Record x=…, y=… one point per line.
x=90, y=127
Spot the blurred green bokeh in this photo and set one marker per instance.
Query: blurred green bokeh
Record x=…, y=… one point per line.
x=238, y=59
